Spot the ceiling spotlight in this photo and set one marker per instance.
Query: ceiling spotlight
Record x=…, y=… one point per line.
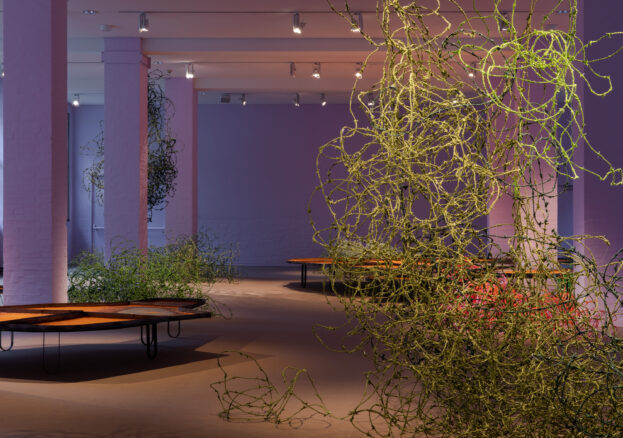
x=2, y=70
x=358, y=71
x=143, y=22
x=297, y=24
x=89, y=11
x=503, y=22
x=76, y=100
x=323, y=99
x=316, y=71
x=472, y=70
x=371, y=100
x=243, y=99
x=357, y=23
x=190, y=71
x=297, y=100
x=292, y=70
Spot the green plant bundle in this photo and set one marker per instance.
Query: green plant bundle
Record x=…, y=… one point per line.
x=473, y=330
x=177, y=270
x=161, y=159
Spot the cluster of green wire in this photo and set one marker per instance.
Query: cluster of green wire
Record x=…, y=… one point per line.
x=472, y=329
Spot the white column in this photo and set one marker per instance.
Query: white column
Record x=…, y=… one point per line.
x=35, y=151
x=181, y=210
x=125, y=144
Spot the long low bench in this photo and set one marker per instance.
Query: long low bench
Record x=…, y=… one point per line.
x=77, y=317
x=504, y=268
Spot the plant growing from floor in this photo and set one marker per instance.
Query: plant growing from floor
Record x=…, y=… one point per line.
x=161, y=164
x=179, y=269
x=479, y=332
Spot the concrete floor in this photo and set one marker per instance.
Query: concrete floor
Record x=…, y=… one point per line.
x=107, y=387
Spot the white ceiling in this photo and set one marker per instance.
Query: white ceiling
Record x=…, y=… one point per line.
x=244, y=46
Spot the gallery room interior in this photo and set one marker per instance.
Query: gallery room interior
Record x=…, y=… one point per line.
x=431, y=185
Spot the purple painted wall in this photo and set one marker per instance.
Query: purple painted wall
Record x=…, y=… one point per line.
x=598, y=203
x=256, y=174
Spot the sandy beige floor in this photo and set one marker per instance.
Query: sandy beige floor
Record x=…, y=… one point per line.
x=106, y=386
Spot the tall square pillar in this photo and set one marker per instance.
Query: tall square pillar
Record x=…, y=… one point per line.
x=181, y=210
x=35, y=151
x=125, y=144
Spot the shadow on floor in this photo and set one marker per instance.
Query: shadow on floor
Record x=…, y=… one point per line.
x=322, y=287
x=92, y=361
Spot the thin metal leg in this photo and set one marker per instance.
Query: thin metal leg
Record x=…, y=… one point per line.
x=58, y=355
x=179, y=329
x=143, y=341
x=10, y=346
x=303, y=275
x=151, y=339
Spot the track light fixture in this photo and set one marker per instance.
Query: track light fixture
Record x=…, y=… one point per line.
x=297, y=100
x=503, y=22
x=243, y=99
x=297, y=24
x=143, y=22
x=323, y=99
x=2, y=70
x=371, y=100
x=357, y=23
x=316, y=71
x=190, y=71
x=358, y=71
x=472, y=70
x=292, y=70
x=76, y=100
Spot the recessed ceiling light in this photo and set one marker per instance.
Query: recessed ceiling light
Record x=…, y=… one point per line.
x=89, y=11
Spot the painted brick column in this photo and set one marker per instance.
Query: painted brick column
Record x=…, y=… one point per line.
x=125, y=140
x=181, y=211
x=500, y=219
x=35, y=151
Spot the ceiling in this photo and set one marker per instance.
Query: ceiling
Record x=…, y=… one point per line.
x=243, y=46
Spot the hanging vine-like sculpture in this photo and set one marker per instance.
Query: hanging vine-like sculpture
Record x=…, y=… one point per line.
x=473, y=330
x=161, y=159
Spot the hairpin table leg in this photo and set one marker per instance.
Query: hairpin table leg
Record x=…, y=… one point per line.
x=151, y=339
x=10, y=346
x=303, y=275
x=179, y=328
